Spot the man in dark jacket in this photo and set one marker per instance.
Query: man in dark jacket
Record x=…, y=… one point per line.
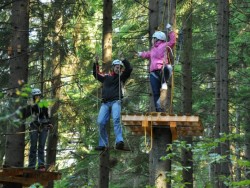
x=111, y=100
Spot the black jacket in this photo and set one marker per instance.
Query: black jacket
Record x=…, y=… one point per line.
x=111, y=82
x=41, y=115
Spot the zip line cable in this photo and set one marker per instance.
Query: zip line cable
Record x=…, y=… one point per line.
x=151, y=10
x=91, y=95
x=72, y=83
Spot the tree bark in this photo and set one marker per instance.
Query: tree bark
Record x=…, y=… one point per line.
x=187, y=155
x=57, y=57
x=107, y=35
x=104, y=170
x=18, y=74
x=247, y=144
x=160, y=14
x=222, y=87
x=153, y=26
x=157, y=167
x=14, y=146
x=107, y=58
x=237, y=145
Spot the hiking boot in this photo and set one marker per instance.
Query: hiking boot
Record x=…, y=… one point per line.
x=100, y=148
x=31, y=167
x=42, y=168
x=119, y=145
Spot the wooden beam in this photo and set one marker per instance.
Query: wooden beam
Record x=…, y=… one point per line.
x=160, y=118
x=30, y=172
x=145, y=123
x=173, y=130
x=27, y=176
x=22, y=180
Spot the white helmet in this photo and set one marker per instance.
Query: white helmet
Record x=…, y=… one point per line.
x=159, y=35
x=117, y=62
x=36, y=91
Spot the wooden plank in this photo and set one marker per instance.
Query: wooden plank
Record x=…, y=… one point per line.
x=50, y=176
x=30, y=172
x=27, y=176
x=140, y=123
x=161, y=118
x=180, y=125
x=22, y=180
x=132, y=123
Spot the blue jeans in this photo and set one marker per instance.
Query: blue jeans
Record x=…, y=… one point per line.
x=37, y=137
x=114, y=109
x=156, y=80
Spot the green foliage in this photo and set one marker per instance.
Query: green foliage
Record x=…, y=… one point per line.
x=203, y=157
x=243, y=163
x=81, y=38
x=10, y=111
x=45, y=103
x=245, y=183
x=24, y=91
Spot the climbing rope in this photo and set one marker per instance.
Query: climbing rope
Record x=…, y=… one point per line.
x=121, y=87
x=172, y=90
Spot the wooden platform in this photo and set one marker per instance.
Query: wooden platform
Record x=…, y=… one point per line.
x=27, y=176
x=180, y=125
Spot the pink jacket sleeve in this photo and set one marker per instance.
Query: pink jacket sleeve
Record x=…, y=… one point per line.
x=146, y=55
x=172, y=39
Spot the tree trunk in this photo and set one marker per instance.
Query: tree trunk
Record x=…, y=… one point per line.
x=107, y=35
x=153, y=25
x=3, y=129
x=187, y=155
x=104, y=170
x=14, y=147
x=222, y=78
x=160, y=14
x=157, y=167
x=247, y=144
x=170, y=17
x=216, y=166
x=18, y=74
x=56, y=85
x=107, y=58
x=153, y=18
x=237, y=145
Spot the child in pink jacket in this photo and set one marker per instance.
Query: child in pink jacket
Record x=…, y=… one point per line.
x=160, y=69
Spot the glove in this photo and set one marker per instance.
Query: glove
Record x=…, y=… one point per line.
x=139, y=54
x=169, y=27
